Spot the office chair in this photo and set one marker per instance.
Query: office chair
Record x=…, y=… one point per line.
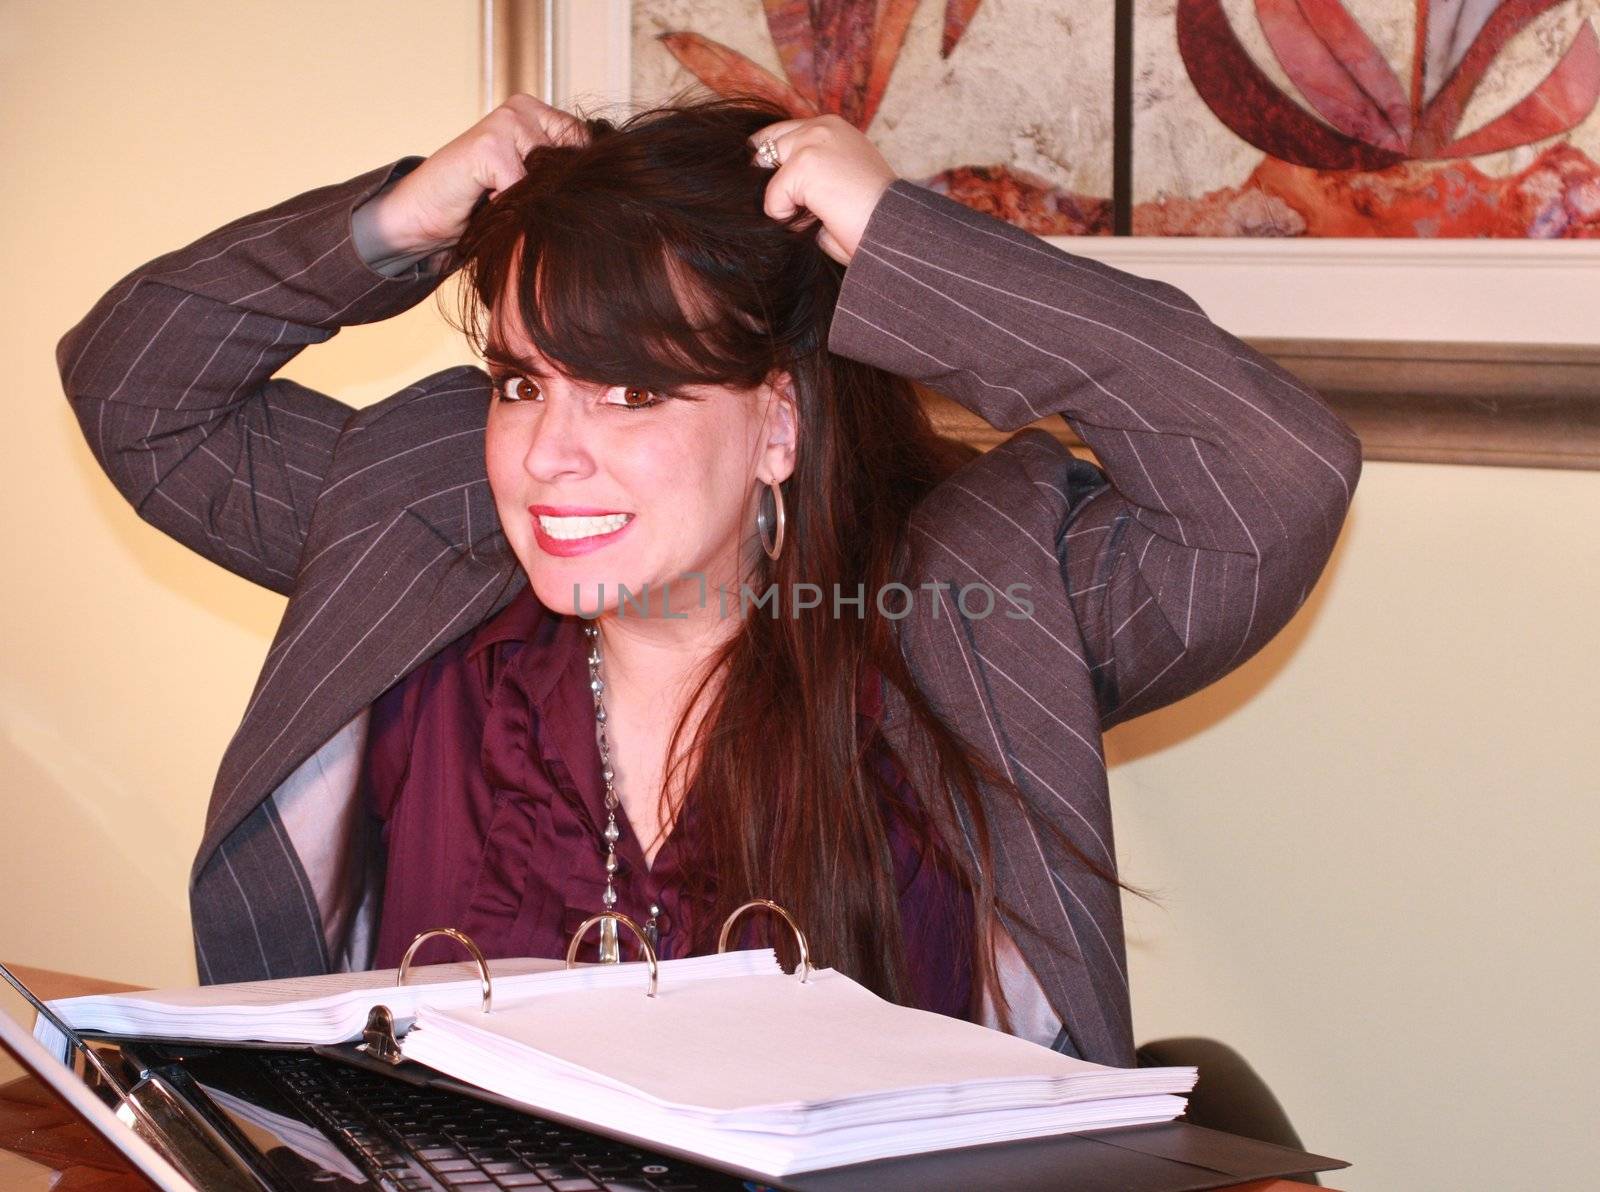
x=1230, y=1096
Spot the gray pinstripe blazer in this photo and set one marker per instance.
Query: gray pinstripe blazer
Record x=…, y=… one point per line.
x=1225, y=484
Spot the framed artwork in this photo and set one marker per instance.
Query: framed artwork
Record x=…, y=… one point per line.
x=1247, y=118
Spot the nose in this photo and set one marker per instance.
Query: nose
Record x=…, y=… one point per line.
x=558, y=447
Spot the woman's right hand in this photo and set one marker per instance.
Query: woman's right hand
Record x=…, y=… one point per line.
x=427, y=210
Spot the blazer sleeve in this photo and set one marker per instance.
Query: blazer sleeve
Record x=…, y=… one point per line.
x=1225, y=480
x=171, y=374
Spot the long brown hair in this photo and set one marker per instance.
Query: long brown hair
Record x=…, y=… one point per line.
x=609, y=233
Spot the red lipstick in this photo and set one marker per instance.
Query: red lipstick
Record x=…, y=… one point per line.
x=568, y=547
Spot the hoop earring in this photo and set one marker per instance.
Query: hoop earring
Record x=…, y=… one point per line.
x=771, y=542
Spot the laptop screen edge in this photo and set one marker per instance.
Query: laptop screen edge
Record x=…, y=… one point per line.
x=78, y=1097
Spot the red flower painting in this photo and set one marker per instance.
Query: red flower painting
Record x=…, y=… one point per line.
x=837, y=57
x=1361, y=152
x=1368, y=118
x=1357, y=142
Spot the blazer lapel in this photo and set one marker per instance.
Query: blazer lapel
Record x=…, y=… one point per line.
x=998, y=677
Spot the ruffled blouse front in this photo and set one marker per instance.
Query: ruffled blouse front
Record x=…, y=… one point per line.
x=483, y=766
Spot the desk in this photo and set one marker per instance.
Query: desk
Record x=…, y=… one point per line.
x=45, y=1149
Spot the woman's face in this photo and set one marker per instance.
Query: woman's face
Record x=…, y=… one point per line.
x=603, y=488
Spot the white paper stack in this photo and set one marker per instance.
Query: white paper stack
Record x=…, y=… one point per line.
x=772, y=1076
x=332, y=1008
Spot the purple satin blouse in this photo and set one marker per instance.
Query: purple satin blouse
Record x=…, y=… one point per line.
x=482, y=765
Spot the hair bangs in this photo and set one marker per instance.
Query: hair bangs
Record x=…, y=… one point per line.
x=604, y=294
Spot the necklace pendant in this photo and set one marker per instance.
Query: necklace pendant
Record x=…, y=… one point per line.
x=651, y=931
x=610, y=953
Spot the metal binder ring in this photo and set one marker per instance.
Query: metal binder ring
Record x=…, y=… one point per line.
x=804, y=967
x=617, y=917
x=465, y=942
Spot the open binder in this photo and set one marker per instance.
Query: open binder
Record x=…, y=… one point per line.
x=725, y=1059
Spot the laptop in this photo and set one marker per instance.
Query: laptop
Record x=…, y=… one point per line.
x=278, y=1119
x=294, y=1121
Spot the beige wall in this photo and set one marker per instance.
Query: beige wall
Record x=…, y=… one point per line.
x=129, y=130
x=1374, y=847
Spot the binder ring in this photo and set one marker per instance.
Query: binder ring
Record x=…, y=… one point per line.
x=804, y=967
x=617, y=917
x=466, y=942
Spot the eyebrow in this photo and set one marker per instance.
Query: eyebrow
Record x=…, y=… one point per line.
x=494, y=355
x=500, y=356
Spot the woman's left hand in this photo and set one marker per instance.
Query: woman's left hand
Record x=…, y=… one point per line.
x=827, y=166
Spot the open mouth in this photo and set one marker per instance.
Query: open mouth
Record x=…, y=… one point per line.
x=576, y=531
x=569, y=529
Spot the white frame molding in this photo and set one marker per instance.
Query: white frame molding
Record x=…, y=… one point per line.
x=1488, y=291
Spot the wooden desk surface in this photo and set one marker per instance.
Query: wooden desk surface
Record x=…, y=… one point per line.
x=45, y=1148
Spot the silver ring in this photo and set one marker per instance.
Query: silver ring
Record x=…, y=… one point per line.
x=767, y=153
x=466, y=942
x=644, y=944
x=804, y=967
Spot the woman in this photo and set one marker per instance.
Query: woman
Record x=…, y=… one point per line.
x=685, y=602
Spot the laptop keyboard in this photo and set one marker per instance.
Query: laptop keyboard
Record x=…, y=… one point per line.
x=420, y=1139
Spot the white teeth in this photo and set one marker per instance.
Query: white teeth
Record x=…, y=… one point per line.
x=582, y=527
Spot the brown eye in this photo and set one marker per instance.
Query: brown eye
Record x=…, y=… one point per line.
x=636, y=397
x=515, y=388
